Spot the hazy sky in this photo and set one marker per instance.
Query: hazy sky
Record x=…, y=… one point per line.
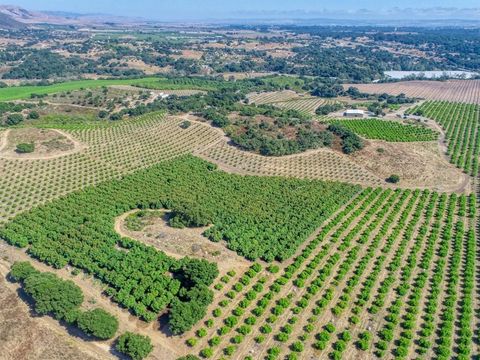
x=198, y=9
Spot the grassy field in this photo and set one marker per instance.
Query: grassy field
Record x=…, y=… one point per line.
x=181, y=84
x=24, y=92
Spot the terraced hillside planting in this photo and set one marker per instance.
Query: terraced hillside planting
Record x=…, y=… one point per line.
x=271, y=97
x=321, y=164
x=288, y=99
x=308, y=105
x=375, y=281
x=466, y=91
x=392, y=131
x=418, y=163
x=461, y=123
x=109, y=152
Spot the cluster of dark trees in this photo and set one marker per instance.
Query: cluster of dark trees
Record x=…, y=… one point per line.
x=330, y=89
x=380, y=101
x=454, y=47
x=44, y=64
x=351, y=142
x=13, y=119
x=10, y=113
x=362, y=63
x=326, y=89
x=459, y=47
x=191, y=302
x=62, y=299
x=268, y=139
x=265, y=138
x=448, y=48
x=328, y=108
x=16, y=119
x=377, y=108
x=306, y=138
x=354, y=93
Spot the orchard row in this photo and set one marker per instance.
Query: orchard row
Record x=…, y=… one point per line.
x=378, y=279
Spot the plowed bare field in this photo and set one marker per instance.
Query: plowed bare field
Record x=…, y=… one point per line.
x=466, y=91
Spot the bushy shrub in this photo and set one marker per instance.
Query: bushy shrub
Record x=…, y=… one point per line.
x=52, y=295
x=20, y=270
x=25, y=148
x=393, y=179
x=98, y=323
x=136, y=346
x=14, y=119
x=33, y=115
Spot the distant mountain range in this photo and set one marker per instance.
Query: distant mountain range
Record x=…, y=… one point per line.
x=14, y=17
x=380, y=14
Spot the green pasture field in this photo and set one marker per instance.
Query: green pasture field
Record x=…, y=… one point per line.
x=25, y=92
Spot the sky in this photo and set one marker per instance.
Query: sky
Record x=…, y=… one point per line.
x=215, y=9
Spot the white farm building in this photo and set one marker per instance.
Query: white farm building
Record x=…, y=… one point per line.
x=354, y=113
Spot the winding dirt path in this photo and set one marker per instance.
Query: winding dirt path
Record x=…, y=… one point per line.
x=443, y=147
x=4, y=139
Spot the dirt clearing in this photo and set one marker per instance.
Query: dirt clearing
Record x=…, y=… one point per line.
x=419, y=164
x=23, y=336
x=48, y=144
x=179, y=243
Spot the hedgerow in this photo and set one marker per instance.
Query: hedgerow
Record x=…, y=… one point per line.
x=62, y=299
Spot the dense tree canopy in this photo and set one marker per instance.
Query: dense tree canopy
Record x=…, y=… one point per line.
x=350, y=141
x=257, y=216
x=62, y=299
x=53, y=295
